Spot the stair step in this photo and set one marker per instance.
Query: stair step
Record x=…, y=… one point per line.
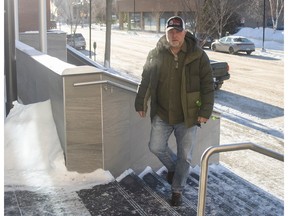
x=215, y=202
x=107, y=200
x=238, y=193
x=238, y=189
x=218, y=206
x=150, y=194
x=149, y=201
x=163, y=189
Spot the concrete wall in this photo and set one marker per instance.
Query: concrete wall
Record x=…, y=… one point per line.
x=83, y=114
x=39, y=78
x=94, y=114
x=56, y=42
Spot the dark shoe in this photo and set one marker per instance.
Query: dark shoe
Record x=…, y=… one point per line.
x=169, y=177
x=176, y=199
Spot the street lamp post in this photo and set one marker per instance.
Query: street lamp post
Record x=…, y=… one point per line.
x=134, y=16
x=90, y=29
x=264, y=23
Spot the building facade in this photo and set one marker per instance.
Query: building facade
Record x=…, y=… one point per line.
x=29, y=15
x=150, y=15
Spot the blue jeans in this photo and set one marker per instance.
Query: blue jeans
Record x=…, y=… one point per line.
x=185, y=139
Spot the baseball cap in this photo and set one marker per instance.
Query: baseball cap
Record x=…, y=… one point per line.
x=175, y=22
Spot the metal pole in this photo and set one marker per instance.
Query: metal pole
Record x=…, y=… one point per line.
x=43, y=26
x=108, y=33
x=16, y=15
x=134, y=16
x=264, y=24
x=90, y=28
x=9, y=56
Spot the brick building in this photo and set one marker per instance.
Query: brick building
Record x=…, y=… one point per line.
x=150, y=15
x=28, y=12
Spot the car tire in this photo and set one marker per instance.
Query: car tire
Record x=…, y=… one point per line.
x=231, y=50
x=249, y=52
x=213, y=47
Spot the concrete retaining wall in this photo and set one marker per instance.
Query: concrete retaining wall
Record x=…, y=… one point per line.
x=94, y=114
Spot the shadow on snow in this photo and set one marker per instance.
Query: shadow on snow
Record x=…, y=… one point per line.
x=250, y=107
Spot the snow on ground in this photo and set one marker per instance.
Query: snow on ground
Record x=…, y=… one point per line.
x=273, y=43
x=33, y=156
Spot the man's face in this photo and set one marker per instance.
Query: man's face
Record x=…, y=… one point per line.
x=175, y=37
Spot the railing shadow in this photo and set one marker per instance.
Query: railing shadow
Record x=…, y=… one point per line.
x=251, y=107
x=257, y=57
x=261, y=57
x=247, y=105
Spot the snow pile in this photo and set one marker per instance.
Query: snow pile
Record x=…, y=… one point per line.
x=32, y=152
x=274, y=40
x=257, y=33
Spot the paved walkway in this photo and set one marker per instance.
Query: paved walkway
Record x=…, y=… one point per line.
x=42, y=202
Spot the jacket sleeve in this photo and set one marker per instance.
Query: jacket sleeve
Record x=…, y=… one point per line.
x=206, y=87
x=143, y=92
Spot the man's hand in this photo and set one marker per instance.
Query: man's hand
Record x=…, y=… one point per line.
x=142, y=114
x=202, y=120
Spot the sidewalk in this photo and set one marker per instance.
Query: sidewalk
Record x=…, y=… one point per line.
x=42, y=201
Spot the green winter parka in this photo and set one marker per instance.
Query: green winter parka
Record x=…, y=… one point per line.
x=197, y=88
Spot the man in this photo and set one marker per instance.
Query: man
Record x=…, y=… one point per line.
x=178, y=77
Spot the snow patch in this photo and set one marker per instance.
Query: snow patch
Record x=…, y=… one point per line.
x=148, y=169
x=124, y=174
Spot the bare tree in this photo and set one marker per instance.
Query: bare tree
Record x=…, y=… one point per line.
x=99, y=10
x=212, y=15
x=255, y=9
x=276, y=7
x=221, y=11
x=191, y=14
x=72, y=11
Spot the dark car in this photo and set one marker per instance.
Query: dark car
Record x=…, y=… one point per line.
x=204, y=40
x=76, y=40
x=234, y=44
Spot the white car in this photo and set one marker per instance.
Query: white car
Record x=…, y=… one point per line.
x=233, y=45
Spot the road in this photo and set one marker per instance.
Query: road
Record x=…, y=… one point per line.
x=251, y=102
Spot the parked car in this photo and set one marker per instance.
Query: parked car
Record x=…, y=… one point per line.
x=76, y=40
x=204, y=40
x=233, y=44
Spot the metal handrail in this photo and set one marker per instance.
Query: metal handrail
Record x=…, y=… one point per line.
x=105, y=82
x=225, y=148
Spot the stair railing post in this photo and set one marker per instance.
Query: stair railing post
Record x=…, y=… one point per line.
x=203, y=182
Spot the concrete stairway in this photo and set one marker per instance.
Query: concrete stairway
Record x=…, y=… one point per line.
x=149, y=194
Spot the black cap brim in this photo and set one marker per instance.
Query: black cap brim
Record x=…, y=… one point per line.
x=177, y=28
